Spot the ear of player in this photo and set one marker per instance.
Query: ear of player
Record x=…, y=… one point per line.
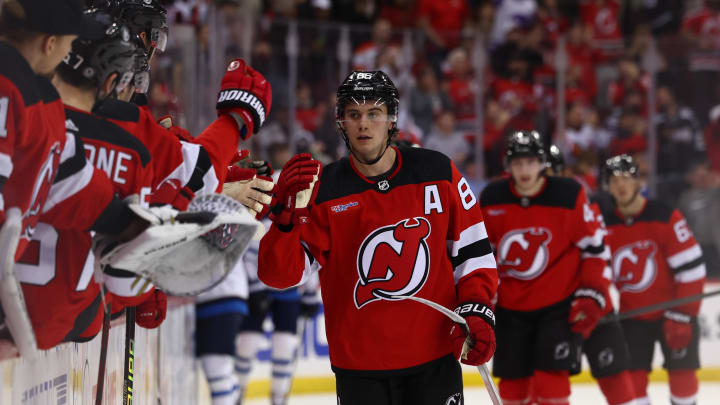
x=480, y=346
x=245, y=95
x=294, y=190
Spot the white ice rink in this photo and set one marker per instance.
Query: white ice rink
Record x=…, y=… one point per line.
x=582, y=394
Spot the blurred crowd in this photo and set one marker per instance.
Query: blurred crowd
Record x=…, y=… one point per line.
x=475, y=70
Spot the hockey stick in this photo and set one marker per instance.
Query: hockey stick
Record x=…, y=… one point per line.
x=129, y=356
x=484, y=372
x=656, y=307
x=103, y=355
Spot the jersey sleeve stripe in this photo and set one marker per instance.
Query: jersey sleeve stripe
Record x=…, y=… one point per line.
x=6, y=165
x=691, y=275
x=686, y=256
x=472, y=264
x=185, y=170
x=202, y=165
x=470, y=235
x=72, y=159
x=68, y=187
x=476, y=249
x=596, y=240
x=210, y=182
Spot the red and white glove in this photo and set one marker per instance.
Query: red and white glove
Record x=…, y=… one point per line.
x=245, y=94
x=586, y=309
x=481, y=341
x=677, y=328
x=294, y=190
x=151, y=312
x=183, y=134
x=250, y=189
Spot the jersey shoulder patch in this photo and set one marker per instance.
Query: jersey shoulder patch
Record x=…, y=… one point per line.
x=18, y=71
x=117, y=110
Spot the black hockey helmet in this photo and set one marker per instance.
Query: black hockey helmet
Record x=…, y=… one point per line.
x=91, y=62
x=555, y=159
x=525, y=144
x=618, y=166
x=147, y=16
x=361, y=86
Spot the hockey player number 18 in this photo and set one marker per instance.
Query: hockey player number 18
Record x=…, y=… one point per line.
x=3, y=117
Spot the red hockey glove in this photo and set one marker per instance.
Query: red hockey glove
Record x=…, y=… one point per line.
x=677, y=329
x=244, y=92
x=586, y=310
x=151, y=313
x=294, y=190
x=481, y=346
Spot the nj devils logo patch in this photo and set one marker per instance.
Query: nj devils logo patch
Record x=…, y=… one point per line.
x=393, y=261
x=634, y=266
x=524, y=253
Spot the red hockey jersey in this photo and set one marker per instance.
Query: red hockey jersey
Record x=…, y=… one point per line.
x=547, y=246
x=415, y=232
x=32, y=147
x=56, y=271
x=655, y=258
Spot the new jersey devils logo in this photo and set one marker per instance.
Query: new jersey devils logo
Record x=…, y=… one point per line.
x=524, y=253
x=634, y=266
x=393, y=261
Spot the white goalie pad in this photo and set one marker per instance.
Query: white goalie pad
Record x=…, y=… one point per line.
x=11, y=295
x=185, y=253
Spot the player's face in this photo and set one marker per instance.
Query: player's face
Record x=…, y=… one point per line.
x=55, y=48
x=367, y=126
x=525, y=171
x=623, y=188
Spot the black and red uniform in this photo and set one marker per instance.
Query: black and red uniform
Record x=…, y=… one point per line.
x=655, y=258
x=417, y=230
x=548, y=247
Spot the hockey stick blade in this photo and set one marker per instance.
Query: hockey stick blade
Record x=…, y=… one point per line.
x=657, y=307
x=484, y=372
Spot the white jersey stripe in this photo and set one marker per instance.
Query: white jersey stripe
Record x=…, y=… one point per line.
x=595, y=240
x=469, y=236
x=472, y=264
x=686, y=256
x=690, y=275
x=6, y=165
x=68, y=187
x=185, y=170
x=210, y=182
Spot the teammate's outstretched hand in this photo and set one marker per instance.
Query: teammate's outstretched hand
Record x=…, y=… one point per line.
x=152, y=311
x=481, y=321
x=294, y=190
x=677, y=329
x=245, y=94
x=585, y=313
x=250, y=189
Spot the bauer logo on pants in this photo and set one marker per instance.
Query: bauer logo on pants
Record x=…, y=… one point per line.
x=393, y=261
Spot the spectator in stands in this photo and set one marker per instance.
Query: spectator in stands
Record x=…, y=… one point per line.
x=513, y=85
x=661, y=17
x=630, y=77
x=582, y=133
x=680, y=141
x=582, y=56
x=442, y=23
x=366, y=54
x=355, y=11
x=446, y=139
x=699, y=204
x=400, y=13
x=702, y=29
x=628, y=126
x=427, y=99
x=602, y=19
x=552, y=20
x=712, y=139
x=510, y=15
x=461, y=87
x=307, y=113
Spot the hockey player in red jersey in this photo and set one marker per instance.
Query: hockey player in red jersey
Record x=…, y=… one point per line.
x=386, y=223
x=655, y=259
x=551, y=258
x=605, y=348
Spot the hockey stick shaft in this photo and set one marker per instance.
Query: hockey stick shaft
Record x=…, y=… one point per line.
x=484, y=372
x=657, y=307
x=129, y=372
x=103, y=357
